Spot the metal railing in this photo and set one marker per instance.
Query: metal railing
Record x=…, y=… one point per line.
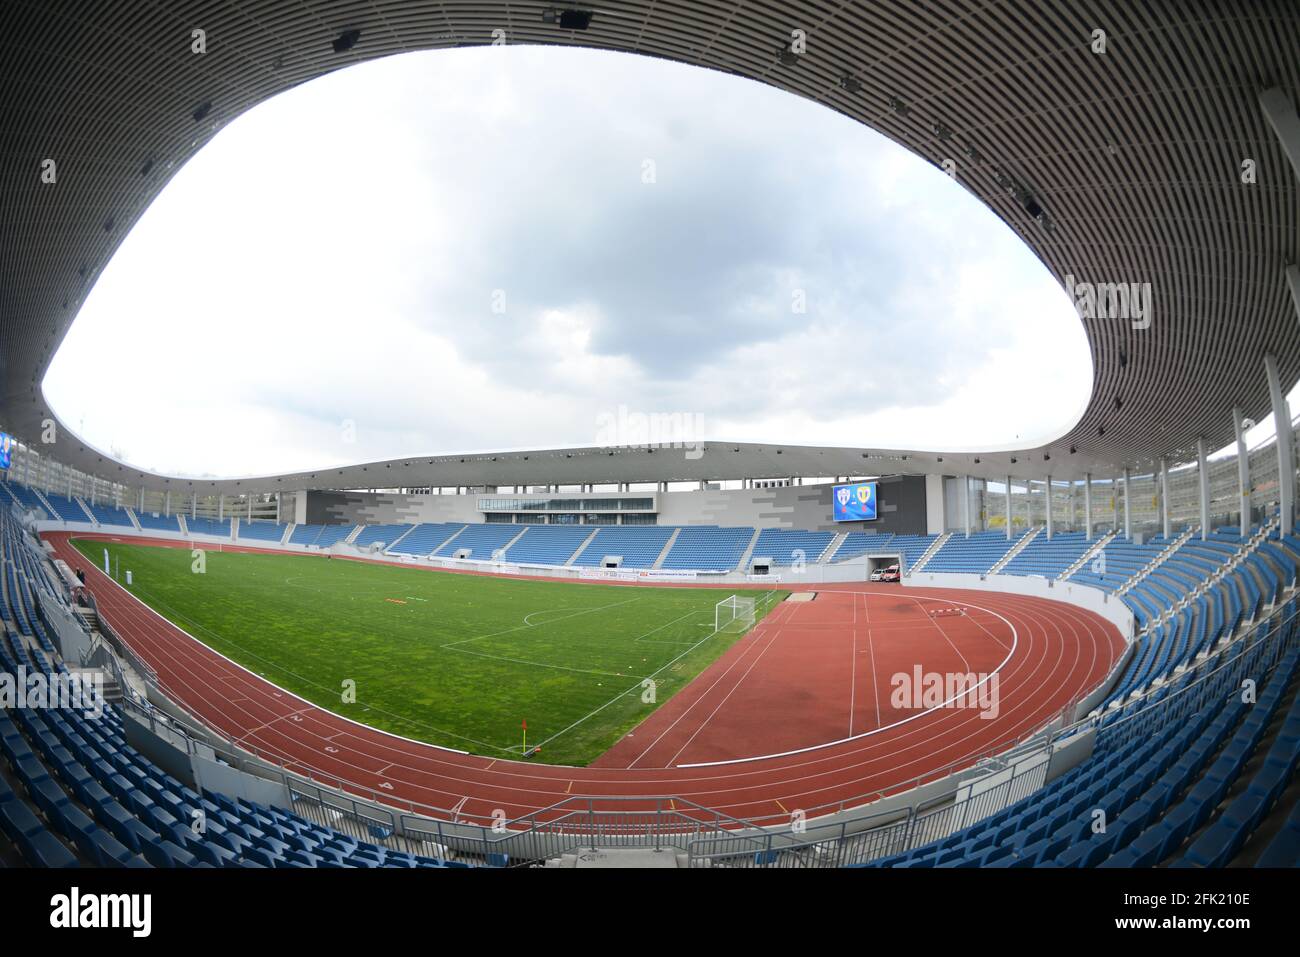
x=120, y=647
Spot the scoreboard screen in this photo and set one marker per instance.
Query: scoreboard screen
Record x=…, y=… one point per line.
x=6, y=449
x=854, y=503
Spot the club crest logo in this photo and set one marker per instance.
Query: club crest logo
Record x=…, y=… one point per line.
x=843, y=495
x=864, y=493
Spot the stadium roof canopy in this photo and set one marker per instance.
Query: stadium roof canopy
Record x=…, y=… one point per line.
x=1171, y=157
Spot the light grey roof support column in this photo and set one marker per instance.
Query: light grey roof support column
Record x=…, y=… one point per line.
x=1243, y=473
x=1128, y=515
x=1203, y=480
x=965, y=502
x=1285, y=450
x=1047, y=495
x=1087, y=505
x=1008, y=508
x=1164, y=497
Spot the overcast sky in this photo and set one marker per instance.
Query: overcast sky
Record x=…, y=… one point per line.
x=501, y=248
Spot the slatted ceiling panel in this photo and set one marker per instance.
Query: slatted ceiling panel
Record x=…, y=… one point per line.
x=1134, y=155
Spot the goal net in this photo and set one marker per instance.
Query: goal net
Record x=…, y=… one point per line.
x=733, y=614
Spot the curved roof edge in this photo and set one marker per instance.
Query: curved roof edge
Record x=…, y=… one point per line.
x=1116, y=169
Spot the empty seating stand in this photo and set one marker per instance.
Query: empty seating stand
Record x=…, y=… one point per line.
x=320, y=536
x=202, y=525
x=27, y=499
x=548, y=544
x=638, y=546
x=973, y=556
x=261, y=531
x=480, y=542
x=786, y=546
x=162, y=523
x=1117, y=562
x=708, y=548
x=425, y=538
x=67, y=509
x=384, y=535
x=110, y=515
x=1048, y=557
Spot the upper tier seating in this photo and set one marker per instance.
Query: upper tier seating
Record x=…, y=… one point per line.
x=320, y=536
x=330, y=534
x=483, y=541
x=787, y=546
x=304, y=534
x=425, y=537
x=110, y=515
x=548, y=544
x=166, y=523
x=261, y=530
x=1241, y=595
x=637, y=545
x=384, y=535
x=66, y=508
x=1119, y=561
x=974, y=555
x=1049, y=557
x=28, y=500
x=201, y=525
x=708, y=548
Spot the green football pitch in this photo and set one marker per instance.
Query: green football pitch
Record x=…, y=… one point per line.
x=456, y=660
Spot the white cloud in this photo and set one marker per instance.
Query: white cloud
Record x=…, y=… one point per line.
x=332, y=256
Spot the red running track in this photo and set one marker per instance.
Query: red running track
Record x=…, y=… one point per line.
x=798, y=679
x=826, y=672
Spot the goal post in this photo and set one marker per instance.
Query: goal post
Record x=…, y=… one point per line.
x=733, y=613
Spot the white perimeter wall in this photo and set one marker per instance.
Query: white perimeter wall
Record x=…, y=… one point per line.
x=1093, y=599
